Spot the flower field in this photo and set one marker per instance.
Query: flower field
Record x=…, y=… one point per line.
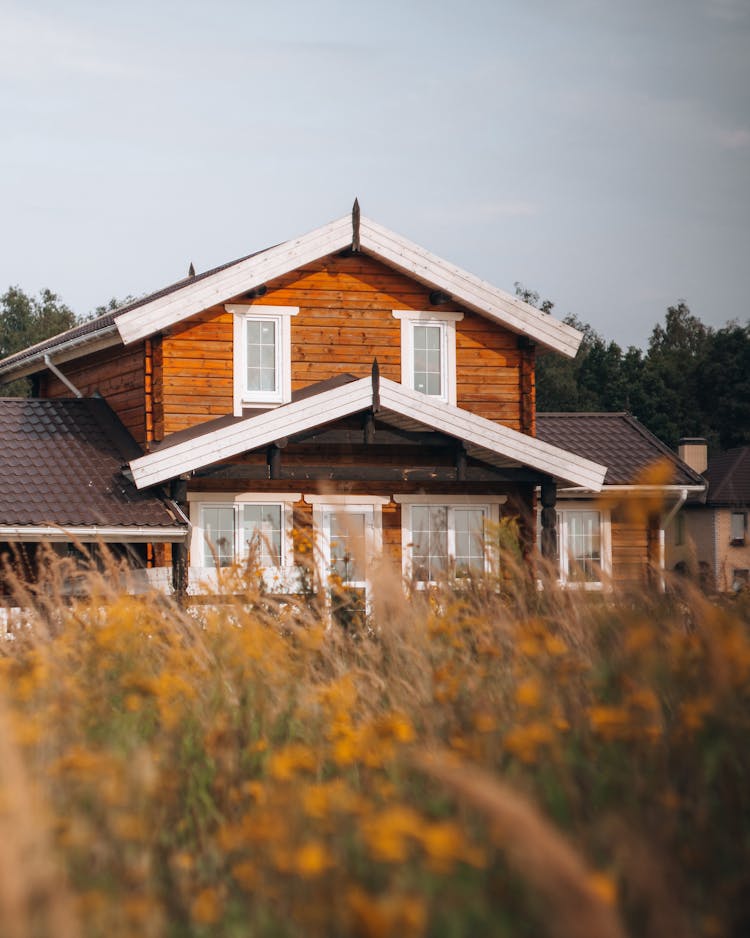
x=499, y=760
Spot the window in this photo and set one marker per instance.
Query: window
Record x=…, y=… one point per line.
x=428, y=352
x=349, y=537
x=737, y=529
x=584, y=546
x=445, y=538
x=262, y=355
x=741, y=579
x=228, y=529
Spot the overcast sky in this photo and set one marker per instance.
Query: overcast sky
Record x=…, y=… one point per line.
x=598, y=151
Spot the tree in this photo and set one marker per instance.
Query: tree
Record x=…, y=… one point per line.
x=26, y=320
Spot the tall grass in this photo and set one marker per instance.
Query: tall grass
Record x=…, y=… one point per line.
x=495, y=760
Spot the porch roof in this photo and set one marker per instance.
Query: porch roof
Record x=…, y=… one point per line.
x=393, y=404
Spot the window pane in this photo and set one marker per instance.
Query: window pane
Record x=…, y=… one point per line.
x=584, y=545
x=261, y=355
x=427, y=361
x=347, y=542
x=469, y=524
x=261, y=532
x=738, y=526
x=429, y=541
x=218, y=531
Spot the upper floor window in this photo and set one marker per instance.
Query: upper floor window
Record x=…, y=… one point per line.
x=428, y=352
x=737, y=529
x=262, y=355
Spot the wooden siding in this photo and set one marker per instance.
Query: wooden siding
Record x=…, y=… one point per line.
x=630, y=549
x=345, y=320
x=117, y=374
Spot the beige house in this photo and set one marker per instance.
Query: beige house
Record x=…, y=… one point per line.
x=709, y=538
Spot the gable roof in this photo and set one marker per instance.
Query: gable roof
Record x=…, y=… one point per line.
x=92, y=335
x=374, y=240
x=60, y=467
x=619, y=441
x=396, y=405
x=728, y=477
x=150, y=314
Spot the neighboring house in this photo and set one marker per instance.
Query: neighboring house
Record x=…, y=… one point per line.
x=346, y=384
x=712, y=539
x=617, y=535
x=61, y=483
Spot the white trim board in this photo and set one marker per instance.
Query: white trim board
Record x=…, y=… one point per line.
x=489, y=441
x=375, y=240
x=92, y=533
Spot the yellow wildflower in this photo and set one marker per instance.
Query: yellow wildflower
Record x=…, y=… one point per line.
x=312, y=859
x=284, y=764
x=206, y=907
x=529, y=693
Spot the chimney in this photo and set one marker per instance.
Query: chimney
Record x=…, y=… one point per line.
x=694, y=451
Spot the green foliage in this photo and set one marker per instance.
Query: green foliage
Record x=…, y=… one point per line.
x=692, y=380
x=26, y=320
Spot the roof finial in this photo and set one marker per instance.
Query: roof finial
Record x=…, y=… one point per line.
x=191, y=270
x=375, y=386
x=355, y=226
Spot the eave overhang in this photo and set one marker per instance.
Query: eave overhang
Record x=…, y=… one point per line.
x=93, y=533
x=373, y=240
x=394, y=404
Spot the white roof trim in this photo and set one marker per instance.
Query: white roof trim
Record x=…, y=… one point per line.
x=239, y=278
x=379, y=242
x=142, y=534
x=483, y=437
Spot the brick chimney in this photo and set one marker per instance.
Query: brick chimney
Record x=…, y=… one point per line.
x=694, y=451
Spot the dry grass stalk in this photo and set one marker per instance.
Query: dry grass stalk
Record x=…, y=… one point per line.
x=537, y=851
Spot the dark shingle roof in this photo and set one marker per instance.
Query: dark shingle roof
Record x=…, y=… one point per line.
x=60, y=463
x=617, y=441
x=104, y=322
x=728, y=477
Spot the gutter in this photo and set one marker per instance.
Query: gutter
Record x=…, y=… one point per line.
x=138, y=534
x=60, y=376
x=99, y=339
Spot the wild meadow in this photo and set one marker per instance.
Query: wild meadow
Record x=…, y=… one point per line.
x=495, y=759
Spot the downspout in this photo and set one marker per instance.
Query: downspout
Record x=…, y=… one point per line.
x=60, y=376
x=666, y=521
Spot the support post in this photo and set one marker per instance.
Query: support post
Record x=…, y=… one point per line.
x=549, y=520
x=178, y=493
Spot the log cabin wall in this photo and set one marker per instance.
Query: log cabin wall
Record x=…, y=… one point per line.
x=117, y=374
x=345, y=320
x=630, y=549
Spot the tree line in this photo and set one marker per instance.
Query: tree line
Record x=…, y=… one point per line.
x=691, y=380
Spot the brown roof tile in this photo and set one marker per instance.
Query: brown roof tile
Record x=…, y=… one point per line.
x=617, y=441
x=60, y=463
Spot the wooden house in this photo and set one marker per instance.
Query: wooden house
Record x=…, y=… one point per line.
x=346, y=384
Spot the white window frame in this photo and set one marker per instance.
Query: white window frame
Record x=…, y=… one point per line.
x=446, y=321
x=737, y=530
x=281, y=317
x=280, y=578
x=605, y=547
x=369, y=505
x=490, y=504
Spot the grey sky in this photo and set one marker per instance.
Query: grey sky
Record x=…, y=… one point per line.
x=597, y=151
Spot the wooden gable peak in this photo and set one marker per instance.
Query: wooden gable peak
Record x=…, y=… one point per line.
x=358, y=233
